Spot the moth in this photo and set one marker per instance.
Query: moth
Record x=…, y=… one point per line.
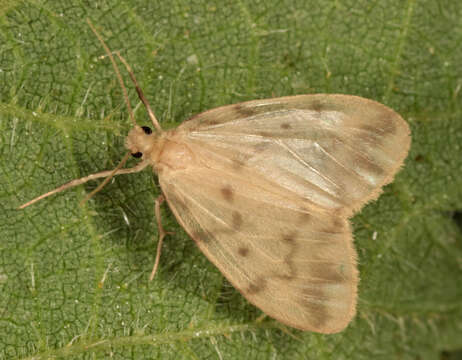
x=266, y=187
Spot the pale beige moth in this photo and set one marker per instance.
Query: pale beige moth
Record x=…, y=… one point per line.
x=265, y=189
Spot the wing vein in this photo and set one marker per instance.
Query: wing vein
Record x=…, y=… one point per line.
x=273, y=182
x=225, y=255
x=297, y=156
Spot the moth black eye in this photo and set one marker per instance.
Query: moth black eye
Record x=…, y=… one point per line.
x=137, y=155
x=147, y=130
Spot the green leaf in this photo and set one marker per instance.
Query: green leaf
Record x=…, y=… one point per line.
x=74, y=280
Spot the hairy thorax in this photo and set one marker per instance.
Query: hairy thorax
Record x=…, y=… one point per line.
x=165, y=151
x=173, y=154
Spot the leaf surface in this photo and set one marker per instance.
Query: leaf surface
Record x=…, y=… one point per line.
x=74, y=280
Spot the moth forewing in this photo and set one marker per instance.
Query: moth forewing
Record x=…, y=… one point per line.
x=265, y=188
x=335, y=150
x=267, y=192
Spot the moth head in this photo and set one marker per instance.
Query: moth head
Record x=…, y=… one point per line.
x=140, y=141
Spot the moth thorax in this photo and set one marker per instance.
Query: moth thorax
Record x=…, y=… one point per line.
x=174, y=155
x=138, y=141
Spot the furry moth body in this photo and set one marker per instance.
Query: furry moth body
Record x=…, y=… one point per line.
x=265, y=189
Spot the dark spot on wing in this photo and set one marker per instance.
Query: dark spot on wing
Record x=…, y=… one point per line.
x=228, y=193
x=238, y=164
x=315, y=293
x=304, y=217
x=290, y=237
x=330, y=230
x=265, y=134
x=210, y=122
x=200, y=236
x=338, y=223
x=261, y=146
x=318, y=312
x=243, y=251
x=385, y=123
x=317, y=106
x=370, y=129
x=286, y=126
x=288, y=272
x=370, y=135
x=244, y=111
x=334, y=227
x=256, y=286
x=237, y=220
x=325, y=272
x=369, y=166
x=285, y=277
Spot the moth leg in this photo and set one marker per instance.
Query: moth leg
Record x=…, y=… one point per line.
x=160, y=199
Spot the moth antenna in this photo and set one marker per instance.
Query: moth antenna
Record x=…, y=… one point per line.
x=140, y=166
x=140, y=93
x=116, y=69
x=111, y=175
